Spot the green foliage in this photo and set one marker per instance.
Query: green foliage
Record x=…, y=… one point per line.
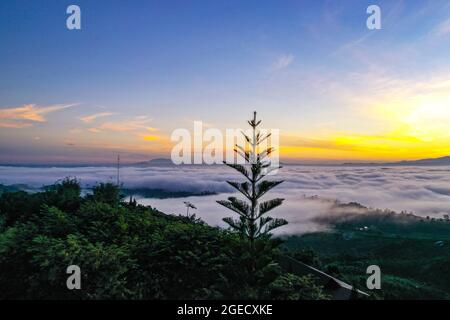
x=17, y=206
x=412, y=265
x=64, y=195
x=309, y=257
x=163, y=194
x=125, y=251
x=107, y=193
x=5, y=189
x=292, y=287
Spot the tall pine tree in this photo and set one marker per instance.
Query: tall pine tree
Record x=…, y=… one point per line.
x=253, y=221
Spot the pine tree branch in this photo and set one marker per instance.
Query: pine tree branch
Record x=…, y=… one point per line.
x=265, y=186
x=260, y=140
x=241, y=148
x=273, y=224
x=268, y=172
x=242, y=187
x=238, y=206
x=246, y=137
x=234, y=224
x=240, y=168
x=265, y=207
x=245, y=155
x=256, y=171
x=265, y=153
x=262, y=222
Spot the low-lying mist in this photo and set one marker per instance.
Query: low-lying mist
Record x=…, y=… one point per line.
x=421, y=190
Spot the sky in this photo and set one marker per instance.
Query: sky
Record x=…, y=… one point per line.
x=138, y=70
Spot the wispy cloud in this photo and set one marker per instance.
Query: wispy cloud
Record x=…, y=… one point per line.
x=93, y=117
x=441, y=30
x=14, y=124
x=352, y=44
x=283, y=62
x=24, y=116
x=140, y=123
x=94, y=130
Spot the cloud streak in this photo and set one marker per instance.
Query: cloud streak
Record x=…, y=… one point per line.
x=441, y=30
x=93, y=117
x=26, y=115
x=283, y=62
x=140, y=123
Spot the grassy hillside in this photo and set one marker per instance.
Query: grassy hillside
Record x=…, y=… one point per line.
x=412, y=252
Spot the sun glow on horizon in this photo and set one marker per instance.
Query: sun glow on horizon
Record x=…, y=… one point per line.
x=414, y=127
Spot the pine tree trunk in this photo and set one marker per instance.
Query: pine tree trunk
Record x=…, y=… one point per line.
x=254, y=202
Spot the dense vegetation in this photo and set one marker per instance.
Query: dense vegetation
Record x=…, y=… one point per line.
x=163, y=194
x=412, y=252
x=4, y=189
x=129, y=251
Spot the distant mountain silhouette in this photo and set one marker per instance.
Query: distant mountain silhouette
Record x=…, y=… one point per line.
x=158, y=162
x=164, y=162
x=442, y=161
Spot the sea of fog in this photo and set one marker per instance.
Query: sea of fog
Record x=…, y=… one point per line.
x=421, y=190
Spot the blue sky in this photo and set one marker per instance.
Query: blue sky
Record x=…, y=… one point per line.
x=311, y=68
